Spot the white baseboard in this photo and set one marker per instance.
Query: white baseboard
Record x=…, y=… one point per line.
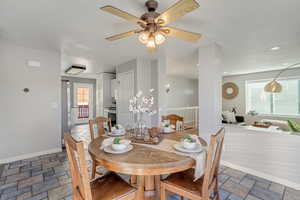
x=262, y=175
x=29, y=155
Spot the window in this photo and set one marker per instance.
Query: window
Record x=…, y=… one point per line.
x=287, y=102
x=83, y=96
x=83, y=103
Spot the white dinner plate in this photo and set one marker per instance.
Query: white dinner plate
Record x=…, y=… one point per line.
x=115, y=134
x=109, y=149
x=169, y=131
x=179, y=147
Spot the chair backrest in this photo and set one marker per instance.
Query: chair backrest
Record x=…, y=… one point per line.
x=213, y=161
x=100, y=123
x=173, y=119
x=79, y=171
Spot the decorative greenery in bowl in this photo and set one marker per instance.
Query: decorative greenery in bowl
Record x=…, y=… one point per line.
x=117, y=140
x=168, y=128
x=189, y=142
x=189, y=138
x=118, y=129
x=118, y=145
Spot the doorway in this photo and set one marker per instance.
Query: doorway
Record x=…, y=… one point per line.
x=83, y=104
x=78, y=101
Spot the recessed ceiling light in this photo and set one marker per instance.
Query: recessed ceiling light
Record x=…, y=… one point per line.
x=225, y=72
x=275, y=48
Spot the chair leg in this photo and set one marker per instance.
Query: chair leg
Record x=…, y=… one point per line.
x=162, y=192
x=94, y=168
x=216, y=191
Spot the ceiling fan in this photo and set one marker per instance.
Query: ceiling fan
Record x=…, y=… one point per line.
x=153, y=25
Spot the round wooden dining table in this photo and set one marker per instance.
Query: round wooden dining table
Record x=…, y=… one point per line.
x=144, y=164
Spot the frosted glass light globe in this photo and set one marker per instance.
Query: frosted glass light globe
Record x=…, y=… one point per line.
x=159, y=38
x=143, y=37
x=151, y=45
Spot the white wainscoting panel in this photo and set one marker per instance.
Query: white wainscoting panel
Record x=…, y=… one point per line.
x=272, y=154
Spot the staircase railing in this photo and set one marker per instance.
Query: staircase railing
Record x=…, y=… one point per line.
x=190, y=115
x=83, y=111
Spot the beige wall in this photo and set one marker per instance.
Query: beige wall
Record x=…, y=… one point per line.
x=30, y=123
x=183, y=92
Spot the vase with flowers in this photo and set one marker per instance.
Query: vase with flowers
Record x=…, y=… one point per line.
x=141, y=105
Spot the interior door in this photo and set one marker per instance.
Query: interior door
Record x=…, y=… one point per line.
x=83, y=104
x=125, y=93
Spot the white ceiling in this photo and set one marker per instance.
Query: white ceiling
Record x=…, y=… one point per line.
x=246, y=30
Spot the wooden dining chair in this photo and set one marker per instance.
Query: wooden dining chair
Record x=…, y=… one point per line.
x=108, y=187
x=174, y=119
x=100, y=124
x=205, y=188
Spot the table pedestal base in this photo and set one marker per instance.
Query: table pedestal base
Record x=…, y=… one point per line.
x=148, y=187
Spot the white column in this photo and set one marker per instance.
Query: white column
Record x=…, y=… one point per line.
x=210, y=83
x=99, y=95
x=144, y=69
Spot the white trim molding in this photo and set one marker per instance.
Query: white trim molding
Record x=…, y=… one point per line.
x=29, y=155
x=262, y=175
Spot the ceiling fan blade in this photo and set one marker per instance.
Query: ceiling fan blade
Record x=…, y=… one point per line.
x=180, y=34
x=179, y=9
x=123, y=35
x=122, y=14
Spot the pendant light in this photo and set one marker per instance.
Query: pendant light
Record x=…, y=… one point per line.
x=274, y=86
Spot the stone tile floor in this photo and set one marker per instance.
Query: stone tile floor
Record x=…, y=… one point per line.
x=47, y=178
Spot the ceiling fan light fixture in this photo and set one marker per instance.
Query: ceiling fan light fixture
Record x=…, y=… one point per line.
x=153, y=29
x=151, y=45
x=159, y=38
x=143, y=37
